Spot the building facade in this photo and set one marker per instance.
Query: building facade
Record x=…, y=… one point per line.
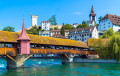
x=44, y=33
x=92, y=18
x=109, y=21
x=34, y=20
x=82, y=34
x=75, y=25
x=45, y=25
x=58, y=26
x=55, y=32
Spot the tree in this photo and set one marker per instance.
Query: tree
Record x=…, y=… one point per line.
x=100, y=18
x=51, y=28
x=110, y=50
x=84, y=24
x=68, y=27
x=108, y=33
x=62, y=31
x=8, y=28
x=52, y=20
x=34, y=30
x=55, y=28
x=97, y=25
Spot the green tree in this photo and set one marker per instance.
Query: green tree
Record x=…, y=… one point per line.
x=62, y=31
x=84, y=24
x=110, y=50
x=34, y=30
x=51, y=28
x=97, y=25
x=68, y=27
x=100, y=18
x=55, y=28
x=108, y=33
x=52, y=20
x=8, y=28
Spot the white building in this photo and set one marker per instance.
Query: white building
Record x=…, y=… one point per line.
x=45, y=25
x=109, y=21
x=56, y=32
x=34, y=20
x=75, y=25
x=92, y=18
x=82, y=34
x=44, y=33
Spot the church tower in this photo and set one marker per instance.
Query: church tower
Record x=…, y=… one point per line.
x=92, y=15
x=34, y=20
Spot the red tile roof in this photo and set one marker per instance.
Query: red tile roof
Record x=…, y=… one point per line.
x=45, y=22
x=91, y=28
x=113, y=18
x=23, y=35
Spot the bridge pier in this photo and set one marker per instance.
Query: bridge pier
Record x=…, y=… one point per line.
x=67, y=58
x=16, y=61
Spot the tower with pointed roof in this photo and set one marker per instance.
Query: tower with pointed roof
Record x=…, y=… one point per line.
x=24, y=41
x=92, y=17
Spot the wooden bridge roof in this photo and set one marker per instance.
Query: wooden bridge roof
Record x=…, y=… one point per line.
x=6, y=36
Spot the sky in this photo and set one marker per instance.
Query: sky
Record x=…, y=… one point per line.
x=12, y=12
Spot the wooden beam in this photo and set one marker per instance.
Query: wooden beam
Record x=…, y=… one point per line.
x=28, y=57
x=11, y=58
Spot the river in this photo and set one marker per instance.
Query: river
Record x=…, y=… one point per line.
x=53, y=67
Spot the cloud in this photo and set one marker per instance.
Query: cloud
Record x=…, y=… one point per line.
x=77, y=13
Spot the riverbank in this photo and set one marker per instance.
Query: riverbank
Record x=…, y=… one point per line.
x=79, y=60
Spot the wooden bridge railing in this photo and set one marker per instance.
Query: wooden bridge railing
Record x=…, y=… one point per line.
x=57, y=51
x=13, y=51
x=5, y=51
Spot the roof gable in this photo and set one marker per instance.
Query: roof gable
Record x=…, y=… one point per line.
x=113, y=18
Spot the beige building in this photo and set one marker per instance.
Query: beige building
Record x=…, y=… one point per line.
x=53, y=26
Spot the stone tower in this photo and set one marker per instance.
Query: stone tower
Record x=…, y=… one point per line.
x=34, y=20
x=24, y=41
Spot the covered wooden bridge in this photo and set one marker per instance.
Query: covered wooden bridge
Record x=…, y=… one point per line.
x=40, y=45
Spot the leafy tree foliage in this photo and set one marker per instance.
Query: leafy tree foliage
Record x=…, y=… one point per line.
x=84, y=24
x=51, y=28
x=55, y=28
x=8, y=28
x=112, y=49
x=62, y=31
x=65, y=27
x=100, y=18
x=34, y=30
x=108, y=33
x=68, y=27
x=52, y=20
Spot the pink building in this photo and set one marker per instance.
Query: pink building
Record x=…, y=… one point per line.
x=24, y=41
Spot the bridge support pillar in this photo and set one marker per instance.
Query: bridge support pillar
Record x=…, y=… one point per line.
x=17, y=61
x=67, y=58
